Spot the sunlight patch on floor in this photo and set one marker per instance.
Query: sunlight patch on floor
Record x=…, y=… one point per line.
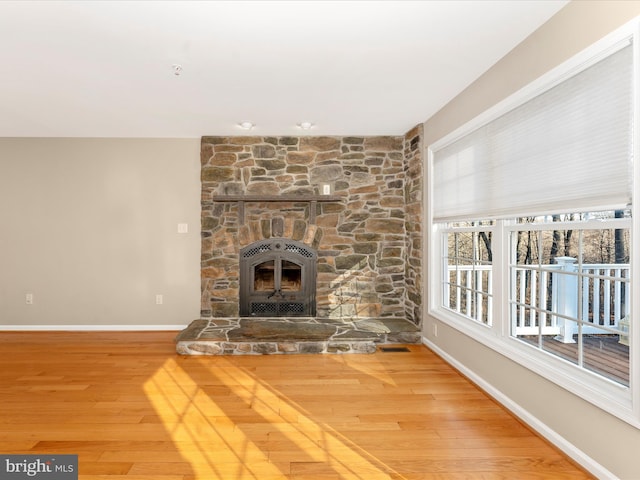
x=228, y=432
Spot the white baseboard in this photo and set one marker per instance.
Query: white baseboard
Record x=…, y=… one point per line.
x=90, y=328
x=526, y=417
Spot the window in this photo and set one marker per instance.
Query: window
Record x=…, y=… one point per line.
x=531, y=213
x=467, y=276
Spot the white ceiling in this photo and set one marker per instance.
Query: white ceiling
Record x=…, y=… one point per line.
x=104, y=69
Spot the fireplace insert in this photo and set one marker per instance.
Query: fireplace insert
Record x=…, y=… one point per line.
x=277, y=279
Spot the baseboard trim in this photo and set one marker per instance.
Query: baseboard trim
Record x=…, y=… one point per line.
x=90, y=328
x=568, y=448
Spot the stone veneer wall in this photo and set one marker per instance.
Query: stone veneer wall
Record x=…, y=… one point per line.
x=368, y=243
x=413, y=188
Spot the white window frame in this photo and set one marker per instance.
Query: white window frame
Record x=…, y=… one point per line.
x=617, y=399
x=486, y=289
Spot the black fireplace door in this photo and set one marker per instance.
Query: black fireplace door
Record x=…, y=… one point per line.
x=277, y=278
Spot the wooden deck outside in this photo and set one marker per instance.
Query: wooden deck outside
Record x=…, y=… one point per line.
x=603, y=354
x=131, y=408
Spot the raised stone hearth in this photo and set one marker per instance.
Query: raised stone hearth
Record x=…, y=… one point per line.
x=260, y=336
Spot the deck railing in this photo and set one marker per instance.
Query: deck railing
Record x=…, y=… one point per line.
x=551, y=299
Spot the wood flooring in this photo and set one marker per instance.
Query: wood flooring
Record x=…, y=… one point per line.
x=132, y=409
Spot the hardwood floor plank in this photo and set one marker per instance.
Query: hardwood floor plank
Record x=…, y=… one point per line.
x=130, y=408
x=159, y=476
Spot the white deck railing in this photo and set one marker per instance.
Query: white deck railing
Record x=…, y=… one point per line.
x=551, y=299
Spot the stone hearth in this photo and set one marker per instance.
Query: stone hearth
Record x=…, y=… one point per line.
x=260, y=336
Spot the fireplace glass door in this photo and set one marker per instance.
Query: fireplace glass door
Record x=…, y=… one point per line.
x=291, y=277
x=277, y=279
x=264, y=276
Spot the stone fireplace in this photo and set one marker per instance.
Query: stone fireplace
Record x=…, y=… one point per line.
x=352, y=205
x=366, y=233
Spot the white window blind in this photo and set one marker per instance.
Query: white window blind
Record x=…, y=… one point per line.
x=567, y=149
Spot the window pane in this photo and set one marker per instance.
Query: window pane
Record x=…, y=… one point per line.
x=467, y=285
x=605, y=355
x=570, y=292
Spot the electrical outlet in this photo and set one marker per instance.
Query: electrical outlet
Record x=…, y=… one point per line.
x=183, y=228
x=159, y=300
x=435, y=329
x=28, y=298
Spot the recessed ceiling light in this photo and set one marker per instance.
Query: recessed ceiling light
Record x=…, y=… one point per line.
x=246, y=125
x=177, y=69
x=305, y=125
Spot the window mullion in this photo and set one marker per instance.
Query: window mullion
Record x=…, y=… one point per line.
x=500, y=278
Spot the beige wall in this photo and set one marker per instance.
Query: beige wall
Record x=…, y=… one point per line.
x=89, y=226
x=578, y=25
x=610, y=442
